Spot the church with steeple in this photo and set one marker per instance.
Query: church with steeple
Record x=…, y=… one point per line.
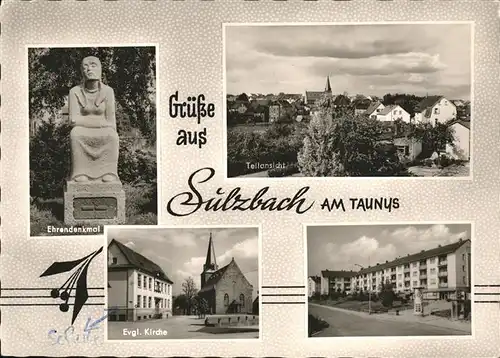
x=312, y=97
x=226, y=289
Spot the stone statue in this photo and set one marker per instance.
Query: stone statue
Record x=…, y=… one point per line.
x=94, y=140
x=93, y=193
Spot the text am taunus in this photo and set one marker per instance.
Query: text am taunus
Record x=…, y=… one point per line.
x=364, y=204
x=192, y=107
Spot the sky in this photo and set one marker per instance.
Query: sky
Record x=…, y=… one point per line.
x=344, y=247
x=421, y=59
x=181, y=253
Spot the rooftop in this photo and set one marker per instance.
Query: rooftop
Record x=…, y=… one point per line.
x=424, y=254
x=139, y=262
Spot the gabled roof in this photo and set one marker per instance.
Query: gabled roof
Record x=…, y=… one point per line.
x=216, y=277
x=373, y=107
x=466, y=124
x=428, y=102
x=262, y=101
x=139, y=262
x=388, y=109
x=346, y=274
x=362, y=104
x=313, y=95
x=424, y=254
x=341, y=100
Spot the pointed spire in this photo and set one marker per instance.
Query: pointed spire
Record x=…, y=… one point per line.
x=210, y=262
x=328, y=88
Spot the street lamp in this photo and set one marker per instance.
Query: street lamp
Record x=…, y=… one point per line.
x=369, y=294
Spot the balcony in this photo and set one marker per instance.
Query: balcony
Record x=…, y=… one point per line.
x=423, y=277
x=443, y=263
x=443, y=285
x=443, y=274
x=423, y=267
x=407, y=278
x=406, y=269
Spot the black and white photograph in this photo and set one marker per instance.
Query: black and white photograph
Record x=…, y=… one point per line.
x=92, y=139
x=182, y=283
x=389, y=280
x=348, y=100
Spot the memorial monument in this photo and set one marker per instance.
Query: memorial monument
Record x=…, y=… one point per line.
x=93, y=194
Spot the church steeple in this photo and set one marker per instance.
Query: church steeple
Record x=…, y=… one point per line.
x=328, y=88
x=210, y=262
x=210, y=265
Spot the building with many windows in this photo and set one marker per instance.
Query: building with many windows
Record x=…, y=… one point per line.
x=336, y=281
x=138, y=288
x=439, y=272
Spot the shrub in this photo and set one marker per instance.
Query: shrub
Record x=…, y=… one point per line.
x=140, y=199
x=283, y=172
x=445, y=161
x=40, y=219
x=428, y=162
x=49, y=160
x=143, y=219
x=316, y=324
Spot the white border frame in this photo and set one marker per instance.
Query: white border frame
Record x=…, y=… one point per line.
x=158, y=132
x=386, y=223
x=180, y=227
x=280, y=179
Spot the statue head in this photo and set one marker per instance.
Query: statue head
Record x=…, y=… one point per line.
x=91, y=68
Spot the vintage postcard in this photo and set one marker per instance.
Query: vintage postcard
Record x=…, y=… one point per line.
x=250, y=178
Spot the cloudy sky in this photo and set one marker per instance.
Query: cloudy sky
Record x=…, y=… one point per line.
x=341, y=247
x=364, y=59
x=181, y=253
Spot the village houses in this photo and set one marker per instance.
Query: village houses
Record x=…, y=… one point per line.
x=297, y=108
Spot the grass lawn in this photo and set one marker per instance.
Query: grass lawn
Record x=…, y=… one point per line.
x=454, y=170
x=362, y=306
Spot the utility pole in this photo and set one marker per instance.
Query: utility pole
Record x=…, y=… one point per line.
x=370, y=293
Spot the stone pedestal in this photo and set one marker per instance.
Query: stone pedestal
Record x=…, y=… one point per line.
x=94, y=203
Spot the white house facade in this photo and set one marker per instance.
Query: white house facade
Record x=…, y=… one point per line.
x=138, y=289
x=393, y=113
x=460, y=149
x=435, y=109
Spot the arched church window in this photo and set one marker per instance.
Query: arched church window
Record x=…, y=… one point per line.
x=242, y=300
x=226, y=300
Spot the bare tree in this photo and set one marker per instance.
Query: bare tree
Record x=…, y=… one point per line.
x=189, y=289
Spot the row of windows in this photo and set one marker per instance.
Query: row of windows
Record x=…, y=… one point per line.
x=147, y=302
x=242, y=300
x=146, y=283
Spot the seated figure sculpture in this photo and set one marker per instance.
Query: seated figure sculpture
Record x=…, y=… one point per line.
x=94, y=140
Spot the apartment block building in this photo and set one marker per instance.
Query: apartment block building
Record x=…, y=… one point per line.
x=439, y=272
x=138, y=289
x=336, y=281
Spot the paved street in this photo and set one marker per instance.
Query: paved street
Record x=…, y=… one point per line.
x=343, y=324
x=177, y=327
